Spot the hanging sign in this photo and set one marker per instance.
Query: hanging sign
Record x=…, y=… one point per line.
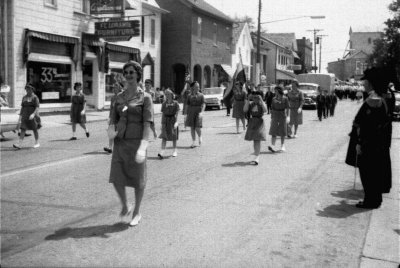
x=117, y=30
x=105, y=7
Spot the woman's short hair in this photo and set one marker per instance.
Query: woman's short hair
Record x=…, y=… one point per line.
x=239, y=83
x=169, y=91
x=194, y=83
x=136, y=66
x=279, y=89
x=77, y=84
x=30, y=86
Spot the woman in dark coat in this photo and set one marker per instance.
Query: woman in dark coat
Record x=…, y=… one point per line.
x=29, y=116
x=239, y=97
x=279, y=119
x=373, y=140
x=78, y=110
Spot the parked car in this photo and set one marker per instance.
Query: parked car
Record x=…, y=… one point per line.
x=396, y=111
x=213, y=97
x=310, y=91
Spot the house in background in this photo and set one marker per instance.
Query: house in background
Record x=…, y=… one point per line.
x=275, y=60
x=196, y=38
x=242, y=45
x=355, y=59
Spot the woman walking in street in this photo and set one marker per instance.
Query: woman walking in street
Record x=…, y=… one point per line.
x=169, y=123
x=132, y=115
x=296, y=101
x=78, y=110
x=256, y=128
x=279, y=119
x=373, y=136
x=185, y=95
x=117, y=88
x=195, y=108
x=239, y=97
x=29, y=116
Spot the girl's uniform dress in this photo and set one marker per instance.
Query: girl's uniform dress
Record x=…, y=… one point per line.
x=169, y=112
x=238, y=103
x=78, y=103
x=296, y=99
x=278, y=117
x=129, y=124
x=256, y=127
x=28, y=106
x=194, y=106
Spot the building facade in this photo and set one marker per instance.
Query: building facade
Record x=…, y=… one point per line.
x=304, y=50
x=275, y=60
x=196, y=39
x=355, y=59
x=51, y=44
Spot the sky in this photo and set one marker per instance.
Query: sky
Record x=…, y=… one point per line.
x=340, y=15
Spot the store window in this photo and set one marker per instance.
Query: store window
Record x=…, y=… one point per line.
x=51, y=80
x=86, y=6
x=114, y=76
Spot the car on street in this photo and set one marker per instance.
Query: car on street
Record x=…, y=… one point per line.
x=310, y=92
x=396, y=111
x=213, y=97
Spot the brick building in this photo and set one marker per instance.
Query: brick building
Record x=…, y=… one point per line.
x=196, y=38
x=354, y=62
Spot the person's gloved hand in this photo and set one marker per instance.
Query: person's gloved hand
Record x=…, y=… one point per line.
x=31, y=116
x=141, y=152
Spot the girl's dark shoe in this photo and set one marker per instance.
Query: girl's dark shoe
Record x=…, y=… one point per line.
x=108, y=150
x=72, y=139
x=87, y=134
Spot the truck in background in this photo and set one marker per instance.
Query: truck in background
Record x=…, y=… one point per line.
x=325, y=81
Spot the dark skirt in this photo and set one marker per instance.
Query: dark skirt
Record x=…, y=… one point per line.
x=76, y=116
x=278, y=127
x=193, y=119
x=168, y=132
x=124, y=169
x=237, y=111
x=255, y=130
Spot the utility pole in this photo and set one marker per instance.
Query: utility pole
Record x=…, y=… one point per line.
x=315, y=47
x=320, y=49
x=258, y=60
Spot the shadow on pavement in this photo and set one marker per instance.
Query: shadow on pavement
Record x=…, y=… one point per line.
x=60, y=140
x=96, y=153
x=185, y=147
x=228, y=133
x=238, y=164
x=349, y=194
x=339, y=211
x=86, y=232
x=397, y=231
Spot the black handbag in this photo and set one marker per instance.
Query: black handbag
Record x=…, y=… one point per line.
x=351, y=156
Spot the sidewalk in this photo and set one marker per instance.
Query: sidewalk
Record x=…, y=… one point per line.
x=382, y=247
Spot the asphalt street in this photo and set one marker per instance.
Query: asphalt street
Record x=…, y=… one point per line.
x=208, y=207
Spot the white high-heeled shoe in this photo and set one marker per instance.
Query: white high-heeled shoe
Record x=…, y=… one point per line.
x=135, y=221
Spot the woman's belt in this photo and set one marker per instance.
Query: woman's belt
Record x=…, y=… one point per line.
x=167, y=115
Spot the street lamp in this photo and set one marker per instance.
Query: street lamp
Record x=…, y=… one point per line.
x=259, y=30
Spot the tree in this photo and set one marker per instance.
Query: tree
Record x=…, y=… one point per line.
x=387, y=49
x=249, y=20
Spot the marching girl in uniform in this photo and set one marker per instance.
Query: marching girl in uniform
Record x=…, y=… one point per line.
x=169, y=123
x=256, y=128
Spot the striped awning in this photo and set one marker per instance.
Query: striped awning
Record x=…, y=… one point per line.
x=52, y=37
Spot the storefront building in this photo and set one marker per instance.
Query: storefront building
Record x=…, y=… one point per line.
x=52, y=46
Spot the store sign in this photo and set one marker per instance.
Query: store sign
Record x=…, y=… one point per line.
x=105, y=7
x=117, y=30
x=50, y=95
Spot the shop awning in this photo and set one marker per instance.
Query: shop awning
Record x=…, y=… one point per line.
x=284, y=75
x=295, y=55
x=91, y=40
x=123, y=49
x=29, y=34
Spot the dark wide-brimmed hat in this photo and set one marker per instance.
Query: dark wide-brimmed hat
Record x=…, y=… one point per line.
x=379, y=78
